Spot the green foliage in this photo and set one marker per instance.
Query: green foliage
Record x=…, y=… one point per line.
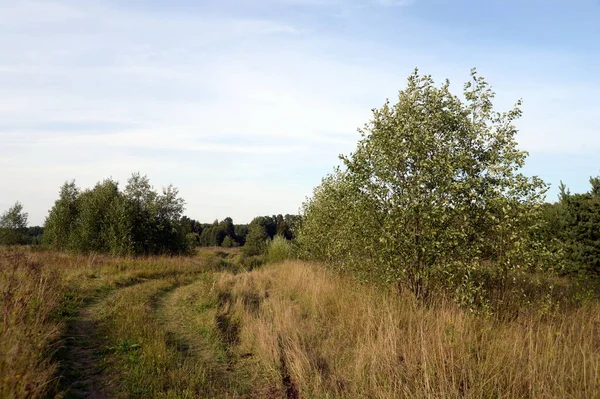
x=241, y=231
x=551, y=232
x=228, y=242
x=580, y=230
x=214, y=234
x=137, y=221
x=228, y=228
x=267, y=222
x=211, y=236
x=256, y=240
x=279, y=249
x=34, y=235
x=226, y=233
x=434, y=183
x=192, y=239
x=60, y=223
x=13, y=225
x=94, y=218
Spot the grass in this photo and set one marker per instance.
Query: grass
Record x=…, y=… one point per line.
x=41, y=297
x=330, y=337
x=162, y=341
x=30, y=296
x=204, y=326
x=279, y=249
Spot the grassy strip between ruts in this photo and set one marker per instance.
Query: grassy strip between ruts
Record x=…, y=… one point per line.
x=162, y=340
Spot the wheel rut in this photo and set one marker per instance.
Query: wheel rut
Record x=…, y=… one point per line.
x=99, y=354
x=81, y=372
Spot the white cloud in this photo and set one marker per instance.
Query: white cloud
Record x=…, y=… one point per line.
x=219, y=104
x=395, y=2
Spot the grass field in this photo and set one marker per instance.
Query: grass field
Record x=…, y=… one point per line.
x=100, y=327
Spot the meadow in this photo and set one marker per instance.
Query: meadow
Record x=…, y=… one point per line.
x=95, y=326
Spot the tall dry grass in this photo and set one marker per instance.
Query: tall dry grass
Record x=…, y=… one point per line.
x=324, y=336
x=286, y=330
x=41, y=291
x=30, y=294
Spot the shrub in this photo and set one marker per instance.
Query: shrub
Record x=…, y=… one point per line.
x=278, y=250
x=227, y=242
x=255, y=240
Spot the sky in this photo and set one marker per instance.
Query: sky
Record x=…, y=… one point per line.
x=244, y=105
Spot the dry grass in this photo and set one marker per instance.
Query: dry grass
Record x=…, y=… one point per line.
x=162, y=342
x=323, y=336
x=30, y=294
x=41, y=291
x=183, y=327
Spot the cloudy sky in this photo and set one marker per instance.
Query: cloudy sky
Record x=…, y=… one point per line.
x=245, y=104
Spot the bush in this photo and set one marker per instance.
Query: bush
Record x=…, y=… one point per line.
x=228, y=242
x=278, y=250
x=255, y=240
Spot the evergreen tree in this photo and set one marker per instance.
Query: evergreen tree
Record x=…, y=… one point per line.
x=581, y=229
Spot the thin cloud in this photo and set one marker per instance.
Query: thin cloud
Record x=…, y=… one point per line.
x=90, y=89
x=395, y=3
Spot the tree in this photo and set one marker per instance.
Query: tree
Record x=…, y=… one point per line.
x=292, y=222
x=211, y=236
x=94, y=227
x=13, y=225
x=256, y=240
x=62, y=217
x=228, y=227
x=227, y=242
x=241, y=231
x=268, y=223
x=433, y=184
x=34, y=235
x=580, y=229
x=168, y=210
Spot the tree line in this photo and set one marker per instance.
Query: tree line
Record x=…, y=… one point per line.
x=138, y=220
x=134, y=221
x=227, y=234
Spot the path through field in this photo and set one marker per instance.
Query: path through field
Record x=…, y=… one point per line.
x=163, y=336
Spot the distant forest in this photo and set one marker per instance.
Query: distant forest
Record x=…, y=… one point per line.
x=136, y=221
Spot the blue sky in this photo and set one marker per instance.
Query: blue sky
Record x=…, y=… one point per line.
x=245, y=104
